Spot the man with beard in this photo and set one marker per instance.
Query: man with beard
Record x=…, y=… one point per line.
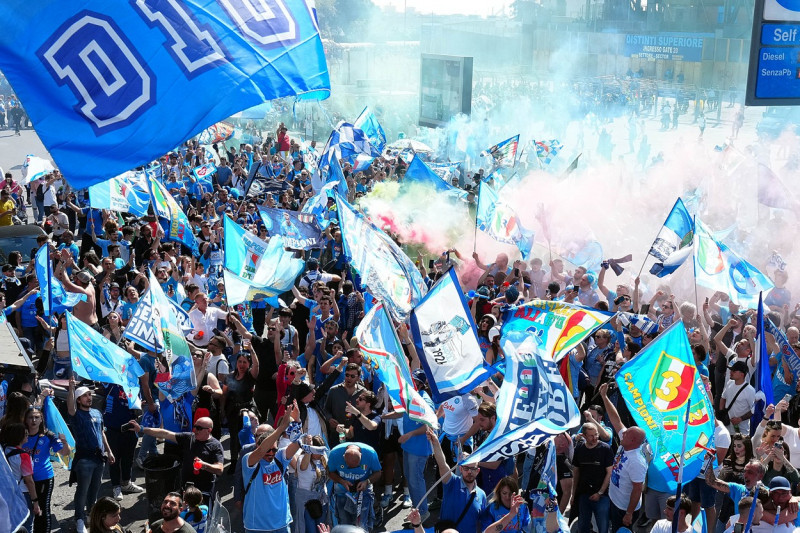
x=463, y=500
x=171, y=522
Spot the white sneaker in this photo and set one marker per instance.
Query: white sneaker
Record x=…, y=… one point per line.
x=132, y=488
x=80, y=527
x=406, y=501
x=117, y=491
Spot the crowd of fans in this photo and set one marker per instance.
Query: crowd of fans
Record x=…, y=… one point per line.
x=288, y=406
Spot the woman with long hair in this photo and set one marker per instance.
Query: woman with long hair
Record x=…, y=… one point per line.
x=739, y=454
x=17, y=405
x=40, y=444
x=114, y=329
x=104, y=517
x=311, y=495
x=238, y=393
x=506, y=510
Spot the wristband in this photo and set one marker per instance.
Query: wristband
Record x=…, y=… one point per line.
x=415, y=525
x=35, y=501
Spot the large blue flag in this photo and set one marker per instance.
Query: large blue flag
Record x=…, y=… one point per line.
x=656, y=386
x=419, y=172
x=504, y=153
x=533, y=404
x=98, y=75
x=264, y=266
x=368, y=123
x=13, y=506
x=718, y=268
x=299, y=230
x=673, y=244
x=384, y=268
x=382, y=351
x=764, y=393
x=317, y=205
x=97, y=358
x=446, y=340
x=54, y=422
x=123, y=194
x=55, y=297
x=500, y=221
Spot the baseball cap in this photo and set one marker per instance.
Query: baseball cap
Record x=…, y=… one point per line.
x=80, y=391
x=779, y=483
x=512, y=294
x=739, y=366
x=419, y=375
x=114, y=285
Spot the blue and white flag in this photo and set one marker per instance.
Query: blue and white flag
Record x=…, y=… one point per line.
x=384, y=268
x=55, y=297
x=123, y=194
x=533, y=403
x=299, y=231
x=446, y=340
x=345, y=142
x=317, y=205
x=718, y=268
x=171, y=217
x=34, y=168
x=420, y=173
x=362, y=163
x=500, y=221
x=336, y=176
x=97, y=358
x=384, y=354
x=673, y=244
x=642, y=322
x=546, y=151
x=764, y=393
x=97, y=75
x=265, y=266
x=544, y=462
x=203, y=175
x=700, y=525
x=141, y=327
x=54, y=422
x=13, y=506
x=787, y=352
x=171, y=340
x=656, y=385
x=368, y=123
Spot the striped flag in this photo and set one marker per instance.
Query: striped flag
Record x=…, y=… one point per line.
x=384, y=354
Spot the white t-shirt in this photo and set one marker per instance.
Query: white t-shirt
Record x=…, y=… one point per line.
x=218, y=366
x=458, y=413
x=629, y=467
x=743, y=404
x=761, y=527
x=730, y=357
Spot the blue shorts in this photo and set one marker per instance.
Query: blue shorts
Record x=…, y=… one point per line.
x=698, y=490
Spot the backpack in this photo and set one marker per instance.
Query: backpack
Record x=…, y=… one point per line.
x=40, y=193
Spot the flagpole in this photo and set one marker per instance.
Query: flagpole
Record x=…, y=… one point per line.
x=436, y=485
x=752, y=508
x=679, y=491
x=49, y=283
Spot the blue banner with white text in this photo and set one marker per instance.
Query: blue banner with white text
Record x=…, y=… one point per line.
x=120, y=83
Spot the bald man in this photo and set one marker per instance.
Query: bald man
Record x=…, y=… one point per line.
x=629, y=470
x=354, y=468
x=197, y=445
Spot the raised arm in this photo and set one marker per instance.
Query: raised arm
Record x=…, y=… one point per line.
x=438, y=454
x=611, y=410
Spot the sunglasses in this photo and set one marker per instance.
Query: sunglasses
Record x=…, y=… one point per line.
x=200, y=428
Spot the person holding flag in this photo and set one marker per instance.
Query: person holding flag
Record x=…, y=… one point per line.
x=463, y=501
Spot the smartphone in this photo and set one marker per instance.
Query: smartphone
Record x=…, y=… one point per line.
x=516, y=272
x=430, y=263
x=787, y=398
x=127, y=426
